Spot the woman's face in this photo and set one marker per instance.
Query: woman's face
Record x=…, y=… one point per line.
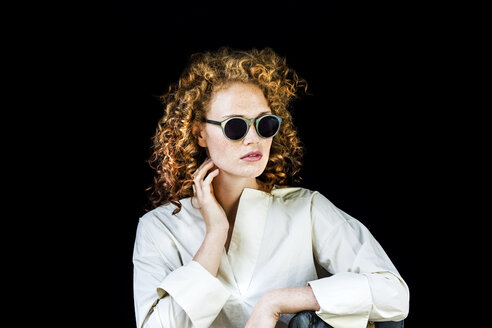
x=237, y=99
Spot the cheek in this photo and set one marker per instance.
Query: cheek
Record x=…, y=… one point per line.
x=225, y=154
x=218, y=150
x=217, y=144
x=268, y=145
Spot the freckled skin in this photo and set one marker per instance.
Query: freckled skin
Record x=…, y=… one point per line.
x=237, y=99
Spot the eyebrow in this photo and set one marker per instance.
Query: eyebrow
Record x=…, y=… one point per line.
x=237, y=115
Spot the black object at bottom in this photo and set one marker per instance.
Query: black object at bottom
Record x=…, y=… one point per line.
x=309, y=319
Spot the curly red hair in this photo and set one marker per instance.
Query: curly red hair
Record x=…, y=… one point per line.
x=176, y=153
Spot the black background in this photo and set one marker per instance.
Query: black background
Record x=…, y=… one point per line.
x=372, y=128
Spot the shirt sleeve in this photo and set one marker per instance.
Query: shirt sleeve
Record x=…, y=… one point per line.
x=167, y=294
x=365, y=285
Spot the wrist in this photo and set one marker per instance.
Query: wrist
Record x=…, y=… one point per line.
x=291, y=300
x=217, y=233
x=272, y=301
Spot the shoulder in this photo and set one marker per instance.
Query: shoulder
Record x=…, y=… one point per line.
x=324, y=210
x=293, y=200
x=300, y=202
x=292, y=193
x=299, y=194
x=318, y=205
x=159, y=214
x=162, y=220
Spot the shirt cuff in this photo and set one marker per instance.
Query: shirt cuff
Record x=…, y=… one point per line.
x=201, y=295
x=345, y=299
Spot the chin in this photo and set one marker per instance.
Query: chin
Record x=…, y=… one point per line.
x=253, y=171
x=244, y=169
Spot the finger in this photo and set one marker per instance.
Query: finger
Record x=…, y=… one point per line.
x=197, y=191
x=200, y=173
x=208, y=180
x=195, y=196
x=194, y=190
x=204, y=163
x=207, y=161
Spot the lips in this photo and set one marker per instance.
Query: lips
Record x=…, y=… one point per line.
x=252, y=156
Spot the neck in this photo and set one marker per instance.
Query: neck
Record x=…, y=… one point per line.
x=228, y=189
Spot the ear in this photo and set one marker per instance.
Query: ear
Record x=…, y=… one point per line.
x=197, y=132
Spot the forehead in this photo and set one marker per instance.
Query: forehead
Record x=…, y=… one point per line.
x=241, y=99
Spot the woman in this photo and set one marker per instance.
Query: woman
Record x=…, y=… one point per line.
x=228, y=244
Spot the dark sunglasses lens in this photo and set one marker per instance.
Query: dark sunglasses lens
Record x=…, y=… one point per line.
x=268, y=126
x=235, y=129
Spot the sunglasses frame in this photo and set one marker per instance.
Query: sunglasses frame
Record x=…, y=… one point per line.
x=248, y=124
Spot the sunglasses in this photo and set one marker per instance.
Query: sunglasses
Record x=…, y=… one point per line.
x=236, y=128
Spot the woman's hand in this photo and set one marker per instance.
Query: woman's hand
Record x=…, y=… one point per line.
x=264, y=314
x=213, y=214
x=283, y=300
x=210, y=252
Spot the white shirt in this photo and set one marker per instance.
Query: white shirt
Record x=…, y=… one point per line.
x=277, y=241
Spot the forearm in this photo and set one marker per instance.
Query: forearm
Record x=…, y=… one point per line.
x=293, y=300
x=209, y=254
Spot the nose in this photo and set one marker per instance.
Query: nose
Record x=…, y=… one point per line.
x=252, y=136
